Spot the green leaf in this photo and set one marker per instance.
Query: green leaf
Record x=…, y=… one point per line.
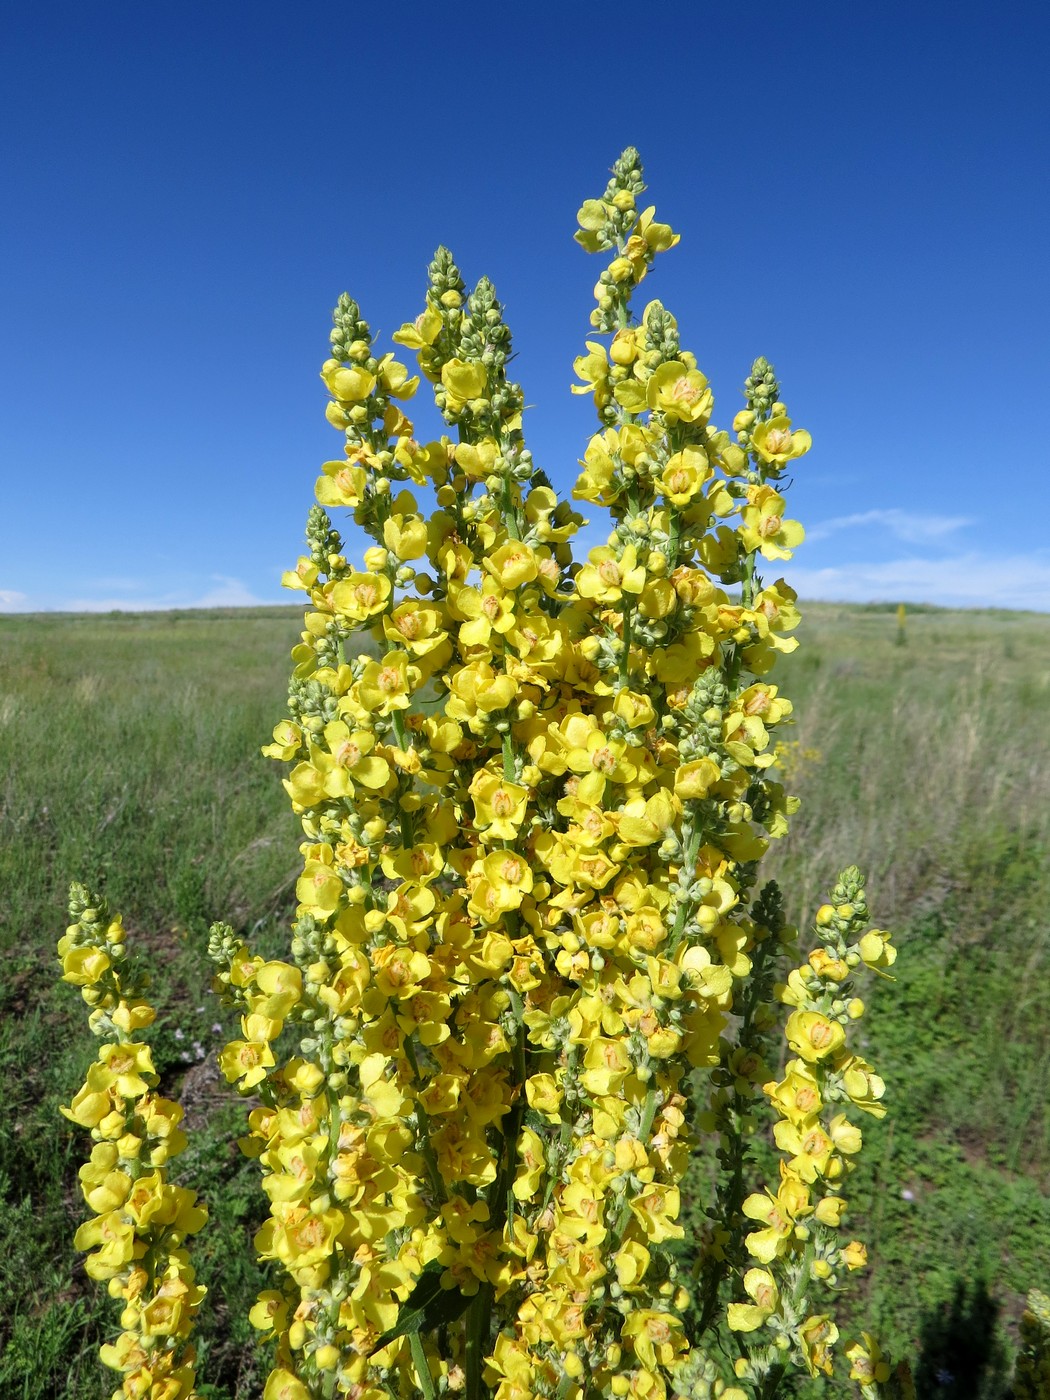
x=426, y=1307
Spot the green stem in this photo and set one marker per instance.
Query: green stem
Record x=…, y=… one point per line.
x=747, y=585
x=691, y=853
x=625, y=654
x=747, y=598
x=419, y=1360
x=644, y=1129
x=426, y=1147
x=478, y=1315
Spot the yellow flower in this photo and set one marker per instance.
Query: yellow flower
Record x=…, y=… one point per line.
x=761, y=1288
x=656, y=1337
x=854, y=1255
x=124, y=1066
x=867, y=1363
x=477, y=693
x=607, y=1065
x=876, y=950
x=544, y=1096
x=387, y=685
x=593, y=369
x=631, y=1263
x=774, y=441
x=509, y=877
x=777, y=1214
x=816, y=1336
x=656, y=1210
x=340, y=484
x=405, y=536
x=419, y=335
x=606, y=578
x=685, y=474
x=532, y=1165
x=680, y=392
x=499, y=806
x=360, y=596
x=797, y=1096
x=395, y=378
x=283, y=1385
x=813, y=1036
x=319, y=889
x=246, y=1061
x=512, y=564
x=764, y=527
x=90, y=1104
x=694, y=780
x=463, y=382
x=863, y=1085
x=349, y=760
x=349, y=385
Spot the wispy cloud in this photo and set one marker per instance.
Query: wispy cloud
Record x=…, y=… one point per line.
x=128, y=595
x=909, y=526
x=962, y=581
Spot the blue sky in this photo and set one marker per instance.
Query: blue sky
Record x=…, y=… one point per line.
x=861, y=192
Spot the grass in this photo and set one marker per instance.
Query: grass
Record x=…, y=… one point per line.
x=129, y=759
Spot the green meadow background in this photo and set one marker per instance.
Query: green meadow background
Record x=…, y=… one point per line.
x=129, y=758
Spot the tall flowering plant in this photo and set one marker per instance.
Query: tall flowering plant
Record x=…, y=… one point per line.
x=534, y=967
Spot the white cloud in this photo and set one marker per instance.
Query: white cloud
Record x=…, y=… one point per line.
x=13, y=601
x=963, y=581
x=909, y=526
x=226, y=592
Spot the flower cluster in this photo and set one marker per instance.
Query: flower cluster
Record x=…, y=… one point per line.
x=530, y=964
x=141, y=1219
x=1032, y=1377
x=796, y=1237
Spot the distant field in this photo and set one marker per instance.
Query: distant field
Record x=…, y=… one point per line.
x=129, y=757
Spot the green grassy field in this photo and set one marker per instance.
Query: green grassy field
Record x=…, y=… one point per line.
x=129, y=753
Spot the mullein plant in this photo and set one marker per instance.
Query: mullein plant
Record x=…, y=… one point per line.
x=141, y=1219
x=533, y=968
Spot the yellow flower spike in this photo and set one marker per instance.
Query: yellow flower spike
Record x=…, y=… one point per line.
x=139, y=1216
x=535, y=793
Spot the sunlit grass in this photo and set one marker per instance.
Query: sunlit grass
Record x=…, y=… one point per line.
x=129, y=755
